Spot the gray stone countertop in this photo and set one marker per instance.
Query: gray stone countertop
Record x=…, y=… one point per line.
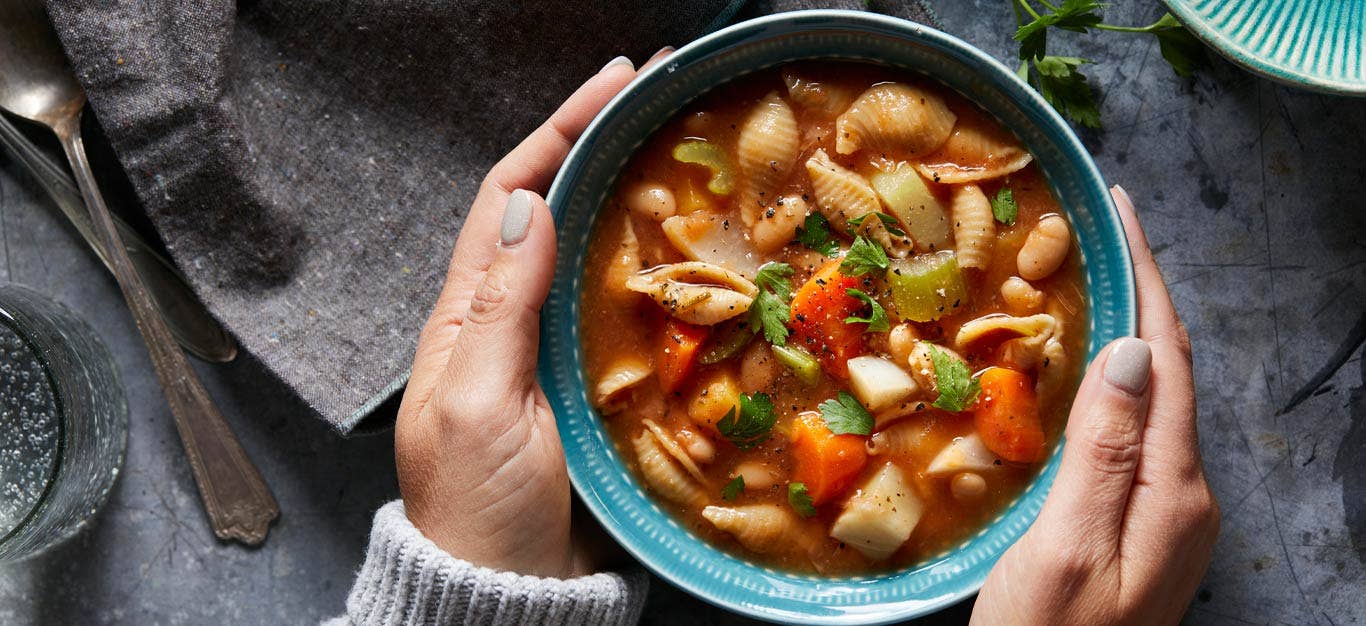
x=1252, y=196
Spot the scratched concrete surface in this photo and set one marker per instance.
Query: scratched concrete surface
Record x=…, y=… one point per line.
x=1251, y=196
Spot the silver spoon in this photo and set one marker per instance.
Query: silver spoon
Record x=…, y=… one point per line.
x=196, y=330
x=37, y=84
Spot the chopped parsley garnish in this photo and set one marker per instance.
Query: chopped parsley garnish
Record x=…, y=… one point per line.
x=751, y=424
x=876, y=320
x=1074, y=15
x=769, y=311
x=845, y=416
x=800, y=500
x=1004, y=208
x=957, y=387
x=863, y=257
x=733, y=489
x=888, y=222
x=815, y=235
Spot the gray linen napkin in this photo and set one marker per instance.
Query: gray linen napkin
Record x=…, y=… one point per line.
x=309, y=163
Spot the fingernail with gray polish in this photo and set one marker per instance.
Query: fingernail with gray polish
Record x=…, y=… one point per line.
x=617, y=61
x=1129, y=365
x=1120, y=192
x=516, y=218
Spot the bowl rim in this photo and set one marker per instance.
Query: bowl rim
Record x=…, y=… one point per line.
x=827, y=20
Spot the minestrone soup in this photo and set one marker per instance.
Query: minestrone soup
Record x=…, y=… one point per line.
x=833, y=317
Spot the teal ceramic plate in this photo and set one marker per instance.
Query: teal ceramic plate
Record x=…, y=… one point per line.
x=1317, y=44
x=596, y=467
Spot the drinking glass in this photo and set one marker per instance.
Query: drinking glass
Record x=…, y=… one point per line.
x=63, y=423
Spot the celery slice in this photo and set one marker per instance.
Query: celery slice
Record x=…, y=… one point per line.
x=910, y=200
x=799, y=362
x=712, y=157
x=927, y=287
x=728, y=343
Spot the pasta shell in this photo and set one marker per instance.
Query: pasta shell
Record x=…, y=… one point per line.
x=625, y=373
x=974, y=228
x=975, y=153
x=827, y=99
x=663, y=475
x=712, y=238
x=901, y=438
x=767, y=148
x=670, y=445
x=624, y=265
x=696, y=292
x=843, y=197
x=761, y=528
x=894, y=117
x=999, y=327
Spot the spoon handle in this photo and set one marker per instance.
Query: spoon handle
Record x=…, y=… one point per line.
x=238, y=501
x=190, y=322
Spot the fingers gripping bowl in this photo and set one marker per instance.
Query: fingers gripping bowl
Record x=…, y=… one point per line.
x=874, y=585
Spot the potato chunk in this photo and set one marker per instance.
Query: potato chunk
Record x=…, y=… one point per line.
x=881, y=515
x=879, y=383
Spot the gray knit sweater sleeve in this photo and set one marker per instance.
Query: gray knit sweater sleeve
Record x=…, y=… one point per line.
x=407, y=580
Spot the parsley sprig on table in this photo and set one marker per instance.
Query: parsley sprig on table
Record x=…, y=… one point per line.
x=1059, y=78
x=769, y=311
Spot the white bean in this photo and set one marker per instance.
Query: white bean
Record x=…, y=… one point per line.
x=777, y=224
x=651, y=201
x=757, y=475
x=697, y=446
x=1045, y=249
x=758, y=367
x=968, y=487
x=901, y=342
x=1020, y=297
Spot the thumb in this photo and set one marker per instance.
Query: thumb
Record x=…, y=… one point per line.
x=1104, y=443
x=495, y=352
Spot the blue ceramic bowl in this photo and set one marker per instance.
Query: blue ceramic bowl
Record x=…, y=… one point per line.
x=597, y=468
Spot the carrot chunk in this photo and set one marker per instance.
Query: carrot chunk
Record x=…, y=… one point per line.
x=825, y=462
x=818, y=312
x=678, y=352
x=1007, y=415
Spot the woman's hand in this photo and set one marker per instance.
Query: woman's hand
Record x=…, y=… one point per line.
x=479, y=459
x=1129, y=527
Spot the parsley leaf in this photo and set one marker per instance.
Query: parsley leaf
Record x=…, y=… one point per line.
x=815, y=235
x=734, y=488
x=773, y=277
x=1066, y=89
x=750, y=426
x=1004, y=208
x=863, y=257
x=876, y=321
x=1073, y=15
x=800, y=500
x=1179, y=47
x=845, y=416
x=769, y=311
x=888, y=222
x=957, y=387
